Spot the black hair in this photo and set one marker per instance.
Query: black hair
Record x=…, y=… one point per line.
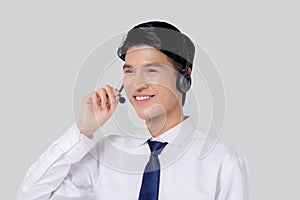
x=164, y=37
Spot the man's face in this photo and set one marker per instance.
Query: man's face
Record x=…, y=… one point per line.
x=150, y=82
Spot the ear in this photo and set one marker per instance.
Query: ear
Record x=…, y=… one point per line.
x=190, y=71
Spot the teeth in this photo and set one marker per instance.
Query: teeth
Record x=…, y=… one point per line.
x=139, y=98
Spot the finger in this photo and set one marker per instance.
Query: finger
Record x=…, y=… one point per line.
x=109, y=92
x=95, y=99
x=103, y=98
x=114, y=105
x=117, y=94
x=116, y=98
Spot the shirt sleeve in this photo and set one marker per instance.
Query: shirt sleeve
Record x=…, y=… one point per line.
x=51, y=174
x=234, y=183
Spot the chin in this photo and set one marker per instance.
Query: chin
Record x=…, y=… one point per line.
x=143, y=114
x=144, y=117
x=152, y=112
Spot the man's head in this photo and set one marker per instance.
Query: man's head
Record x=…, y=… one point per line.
x=163, y=51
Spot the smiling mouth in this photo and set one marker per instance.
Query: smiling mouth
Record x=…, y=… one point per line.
x=143, y=98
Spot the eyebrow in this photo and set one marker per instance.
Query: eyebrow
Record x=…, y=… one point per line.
x=126, y=66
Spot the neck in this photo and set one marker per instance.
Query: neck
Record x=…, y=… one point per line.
x=162, y=123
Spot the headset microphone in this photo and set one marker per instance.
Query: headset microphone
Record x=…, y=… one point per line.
x=122, y=100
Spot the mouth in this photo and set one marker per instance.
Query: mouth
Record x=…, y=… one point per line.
x=142, y=98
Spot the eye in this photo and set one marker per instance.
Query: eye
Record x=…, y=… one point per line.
x=152, y=70
x=128, y=71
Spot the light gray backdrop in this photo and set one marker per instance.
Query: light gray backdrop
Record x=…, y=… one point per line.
x=255, y=45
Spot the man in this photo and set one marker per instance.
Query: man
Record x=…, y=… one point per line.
x=158, y=64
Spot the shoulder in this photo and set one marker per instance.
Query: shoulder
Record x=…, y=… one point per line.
x=219, y=152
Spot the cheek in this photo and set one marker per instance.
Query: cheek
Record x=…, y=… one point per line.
x=167, y=97
x=127, y=87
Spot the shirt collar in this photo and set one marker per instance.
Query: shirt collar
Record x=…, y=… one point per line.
x=174, y=136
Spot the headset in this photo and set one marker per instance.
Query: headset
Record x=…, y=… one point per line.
x=183, y=81
x=122, y=99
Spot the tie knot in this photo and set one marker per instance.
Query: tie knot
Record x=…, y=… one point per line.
x=156, y=147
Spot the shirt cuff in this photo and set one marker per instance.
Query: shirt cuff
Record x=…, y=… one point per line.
x=75, y=145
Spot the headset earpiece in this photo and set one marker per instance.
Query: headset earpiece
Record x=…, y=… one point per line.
x=184, y=80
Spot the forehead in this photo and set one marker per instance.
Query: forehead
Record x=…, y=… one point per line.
x=141, y=55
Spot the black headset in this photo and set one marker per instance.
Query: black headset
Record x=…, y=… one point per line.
x=122, y=99
x=183, y=81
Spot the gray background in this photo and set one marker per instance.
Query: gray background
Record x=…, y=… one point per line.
x=254, y=45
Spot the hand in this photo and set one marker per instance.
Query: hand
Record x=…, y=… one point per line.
x=97, y=108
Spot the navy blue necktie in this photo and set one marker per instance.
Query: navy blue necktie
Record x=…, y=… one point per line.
x=150, y=183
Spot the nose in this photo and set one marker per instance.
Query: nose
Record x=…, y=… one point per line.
x=139, y=83
x=141, y=87
x=136, y=82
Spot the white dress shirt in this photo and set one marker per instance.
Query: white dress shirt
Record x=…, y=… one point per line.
x=76, y=167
